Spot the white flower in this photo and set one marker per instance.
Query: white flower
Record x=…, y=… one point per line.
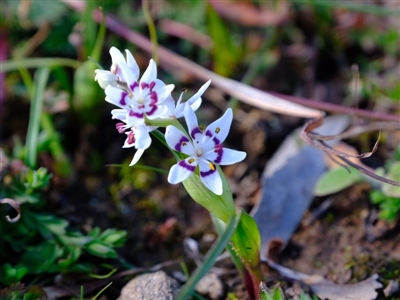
x=176, y=111
x=139, y=99
x=203, y=148
x=105, y=78
x=139, y=138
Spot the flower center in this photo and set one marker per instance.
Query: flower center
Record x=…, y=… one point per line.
x=140, y=100
x=199, y=152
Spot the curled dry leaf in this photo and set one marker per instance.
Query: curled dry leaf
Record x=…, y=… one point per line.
x=14, y=204
x=319, y=142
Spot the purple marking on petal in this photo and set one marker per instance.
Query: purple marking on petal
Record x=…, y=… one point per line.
x=133, y=86
x=151, y=85
x=195, y=131
x=135, y=114
x=209, y=172
x=131, y=138
x=218, y=149
x=152, y=110
x=216, y=141
x=153, y=97
x=144, y=85
x=183, y=164
x=178, y=146
x=122, y=100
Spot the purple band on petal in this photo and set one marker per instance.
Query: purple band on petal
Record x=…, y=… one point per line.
x=151, y=85
x=209, y=172
x=153, y=109
x=178, y=146
x=135, y=114
x=133, y=86
x=218, y=149
x=144, y=85
x=153, y=97
x=122, y=100
x=183, y=164
x=216, y=141
x=195, y=131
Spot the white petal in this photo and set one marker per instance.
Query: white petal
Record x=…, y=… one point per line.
x=223, y=124
x=196, y=104
x=225, y=156
x=129, y=76
x=164, y=92
x=199, y=93
x=127, y=145
x=119, y=114
x=158, y=84
x=191, y=120
x=116, y=55
x=117, y=59
x=178, y=141
x=142, y=137
x=182, y=170
x=151, y=73
x=105, y=78
x=131, y=62
x=210, y=177
x=117, y=96
x=137, y=156
x=169, y=103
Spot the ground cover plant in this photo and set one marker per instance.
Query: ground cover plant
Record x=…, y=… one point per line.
x=280, y=119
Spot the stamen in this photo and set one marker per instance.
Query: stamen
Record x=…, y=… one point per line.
x=184, y=143
x=217, y=130
x=191, y=160
x=184, y=90
x=120, y=127
x=211, y=166
x=202, y=127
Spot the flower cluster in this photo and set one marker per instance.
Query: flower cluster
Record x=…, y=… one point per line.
x=141, y=101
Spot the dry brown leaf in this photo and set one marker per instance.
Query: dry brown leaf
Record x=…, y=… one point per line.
x=318, y=141
x=176, y=63
x=14, y=204
x=326, y=289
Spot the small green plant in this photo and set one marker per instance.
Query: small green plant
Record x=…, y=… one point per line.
x=385, y=195
x=276, y=293
x=388, y=197
x=39, y=244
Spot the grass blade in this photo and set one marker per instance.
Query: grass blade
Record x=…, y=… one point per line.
x=210, y=258
x=41, y=77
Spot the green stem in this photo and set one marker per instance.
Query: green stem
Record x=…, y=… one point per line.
x=100, y=38
x=39, y=86
x=13, y=65
x=152, y=29
x=210, y=258
x=62, y=165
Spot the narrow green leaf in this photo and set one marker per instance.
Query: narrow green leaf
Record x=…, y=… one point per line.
x=39, y=86
x=210, y=258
